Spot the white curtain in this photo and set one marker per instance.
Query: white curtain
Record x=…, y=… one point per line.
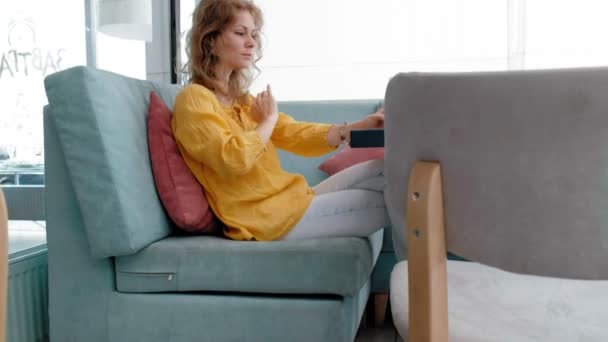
x=348, y=49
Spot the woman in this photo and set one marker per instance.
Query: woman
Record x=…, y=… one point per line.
x=228, y=140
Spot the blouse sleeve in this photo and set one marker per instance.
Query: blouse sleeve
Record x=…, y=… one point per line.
x=303, y=138
x=205, y=135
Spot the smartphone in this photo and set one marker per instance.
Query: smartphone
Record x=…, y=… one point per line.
x=367, y=138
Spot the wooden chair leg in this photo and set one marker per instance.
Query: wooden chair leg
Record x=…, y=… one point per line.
x=3, y=265
x=427, y=265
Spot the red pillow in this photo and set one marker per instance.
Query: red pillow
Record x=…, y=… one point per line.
x=348, y=157
x=181, y=194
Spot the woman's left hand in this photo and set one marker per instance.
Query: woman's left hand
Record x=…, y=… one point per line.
x=375, y=120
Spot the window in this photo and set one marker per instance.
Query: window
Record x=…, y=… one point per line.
x=33, y=45
x=37, y=40
x=565, y=34
x=353, y=48
x=122, y=56
x=186, y=10
x=343, y=49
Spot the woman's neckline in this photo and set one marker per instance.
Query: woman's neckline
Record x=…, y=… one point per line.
x=222, y=102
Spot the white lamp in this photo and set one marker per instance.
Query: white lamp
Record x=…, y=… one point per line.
x=128, y=19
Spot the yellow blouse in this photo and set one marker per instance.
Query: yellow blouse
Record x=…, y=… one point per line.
x=242, y=177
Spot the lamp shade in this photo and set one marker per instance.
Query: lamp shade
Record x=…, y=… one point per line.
x=128, y=19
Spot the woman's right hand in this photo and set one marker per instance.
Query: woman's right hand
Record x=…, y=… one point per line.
x=264, y=107
x=264, y=111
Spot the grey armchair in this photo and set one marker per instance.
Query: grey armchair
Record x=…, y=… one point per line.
x=507, y=169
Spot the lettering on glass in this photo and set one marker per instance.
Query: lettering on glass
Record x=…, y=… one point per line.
x=23, y=57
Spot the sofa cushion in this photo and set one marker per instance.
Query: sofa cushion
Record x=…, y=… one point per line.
x=100, y=119
x=182, y=195
x=338, y=266
x=348, y=157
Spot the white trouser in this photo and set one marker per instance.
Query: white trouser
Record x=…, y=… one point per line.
x=349, y=203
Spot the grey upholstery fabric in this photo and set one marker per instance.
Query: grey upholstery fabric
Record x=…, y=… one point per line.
x=524, y=159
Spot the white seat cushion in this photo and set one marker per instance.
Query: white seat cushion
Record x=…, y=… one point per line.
x=488, y=304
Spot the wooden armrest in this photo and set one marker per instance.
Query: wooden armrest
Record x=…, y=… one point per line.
x=426, y=253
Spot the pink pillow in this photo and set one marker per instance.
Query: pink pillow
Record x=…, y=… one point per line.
x=348, y=157
x=181, y=194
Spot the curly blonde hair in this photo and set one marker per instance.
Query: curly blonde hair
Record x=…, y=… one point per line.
x=208, y=21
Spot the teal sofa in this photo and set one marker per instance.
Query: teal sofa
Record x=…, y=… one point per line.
x=118, y=271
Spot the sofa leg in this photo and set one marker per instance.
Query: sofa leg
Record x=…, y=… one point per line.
x=380, y=306
x=376, y=310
